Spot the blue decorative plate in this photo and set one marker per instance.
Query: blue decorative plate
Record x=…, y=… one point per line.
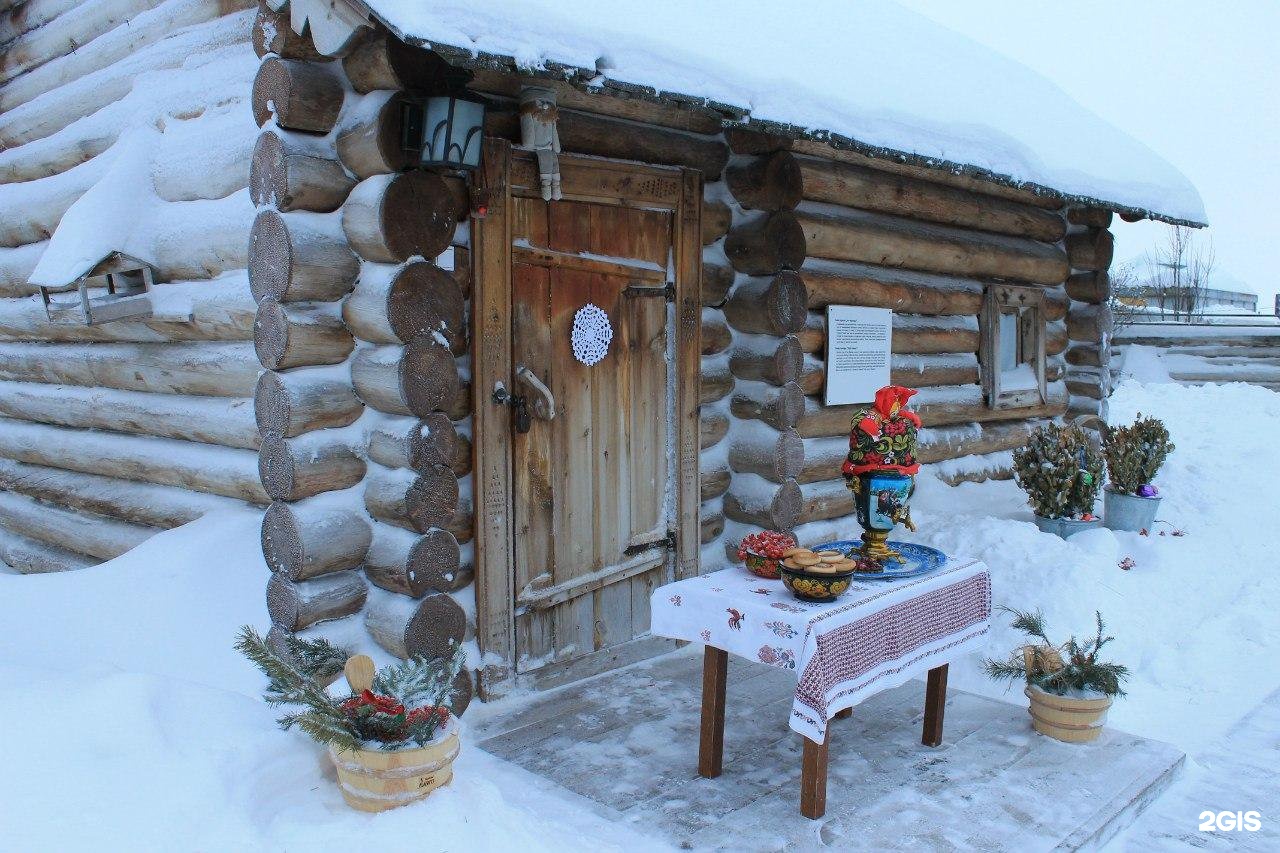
x=919, y=559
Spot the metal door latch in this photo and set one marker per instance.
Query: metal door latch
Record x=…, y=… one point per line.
x=519, y=407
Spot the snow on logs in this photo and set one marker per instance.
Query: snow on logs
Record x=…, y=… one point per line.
x=416, y=379
x=751, y=499
x=381, y=61
x=406, y=627
x=404, y=562
x=414, y=500
x=369, y=140
x=273, y=33
x=771, y=306
x=204, y=369
x=299, y=256
x=763, y=358
x=294, y=605
x=299, y=335
x=392, y=305
x=420, y=444
x=850, y=283
x=296, y=468
x=33, y=557
x=300, y=401
x=390, y=218
x=84, y=533
x=293, y=172
x=314, y=537
x=303, y=96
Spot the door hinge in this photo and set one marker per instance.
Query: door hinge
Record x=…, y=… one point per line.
x=666, y=291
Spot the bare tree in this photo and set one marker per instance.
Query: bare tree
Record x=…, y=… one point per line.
x=1126, y=295
x=1179, y=272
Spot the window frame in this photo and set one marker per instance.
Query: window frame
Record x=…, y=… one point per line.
x=1029, y=304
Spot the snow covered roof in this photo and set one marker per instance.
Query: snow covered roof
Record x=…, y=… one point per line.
x=868, y=76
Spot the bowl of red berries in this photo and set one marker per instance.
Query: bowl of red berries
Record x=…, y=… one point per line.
x=761, y=552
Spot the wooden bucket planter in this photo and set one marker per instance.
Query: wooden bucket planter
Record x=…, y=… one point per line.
x=1066, y=718
x=374, y=780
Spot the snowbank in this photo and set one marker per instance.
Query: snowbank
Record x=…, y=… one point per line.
x=871, y=72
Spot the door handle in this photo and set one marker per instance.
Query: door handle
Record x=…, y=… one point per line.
x=544, y=404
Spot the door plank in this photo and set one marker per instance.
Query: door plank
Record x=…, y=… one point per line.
x=688, y=265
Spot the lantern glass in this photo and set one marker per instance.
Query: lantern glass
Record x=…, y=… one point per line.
x=452, y=129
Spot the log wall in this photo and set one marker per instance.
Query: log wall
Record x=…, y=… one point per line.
x=109, y=434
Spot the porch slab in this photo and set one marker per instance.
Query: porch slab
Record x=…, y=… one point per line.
x=628, y=740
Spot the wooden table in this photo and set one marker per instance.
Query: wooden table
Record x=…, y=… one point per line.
x=813, y=764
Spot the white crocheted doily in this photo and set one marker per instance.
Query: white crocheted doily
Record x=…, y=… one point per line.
x=592, y=334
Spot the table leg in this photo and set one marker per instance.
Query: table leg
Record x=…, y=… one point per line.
x=935, y=700
x=715, y=668
x=813, y=777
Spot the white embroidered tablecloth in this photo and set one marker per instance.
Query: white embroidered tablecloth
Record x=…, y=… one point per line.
x=876, y=636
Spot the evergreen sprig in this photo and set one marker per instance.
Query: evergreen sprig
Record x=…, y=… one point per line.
x=1060, y=470
x=1080, y=668
x=1135, y=453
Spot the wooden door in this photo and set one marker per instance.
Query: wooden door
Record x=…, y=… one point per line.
x=601, y=498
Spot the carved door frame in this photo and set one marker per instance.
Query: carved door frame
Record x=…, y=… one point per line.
x=503, y=174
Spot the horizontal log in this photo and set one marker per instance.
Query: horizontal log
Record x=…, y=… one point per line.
x=716, y=281
x=297, y=605
x=217, y=319
x=764, y=358
x=420, y=444
x=824, y=500
x=851, y=235
x=716, y=336
x=769, y=306
x=913, y=371
x=123, y=500
x=1086, y=388
x=602, y=136
x=904, y=291
x=414, y=565
x=299, y=335
x=83, y=533
x=1084, y=355
x=391, y=305
x=710, y=523
x=219, y=420
x=776, y=455
x=778, y=406
x=23, y=16
x=766, y=243
x=382, y=61
x=716, y=219
x=303, y=400
x=417, y=379
x=205, y=468
x=370, y=140
x=1094, y=217
x=391, y=218
x=911, y=334
x=864, y=188
x=1089, y=323
x=417, y=500
x=406, y=628
x=1091, y=249
x=295, y=468
x=33, y=557
x=713, y=479
x=273, y=33
x=712, y=426
x=222, y=370
x=1090, y=287
x=754, y=500
x=311, y=538
x=299, y=256
x=823, y=457
x=291, y=172
x=304, y=96
x=1055, y=338
x=17, y=263
x=967, y=407
x=715, y=381
x=768, y=182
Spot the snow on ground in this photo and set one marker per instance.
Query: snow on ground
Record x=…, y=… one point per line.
x=138, y=722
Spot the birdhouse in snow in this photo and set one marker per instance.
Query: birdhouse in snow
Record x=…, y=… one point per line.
x=118, y=287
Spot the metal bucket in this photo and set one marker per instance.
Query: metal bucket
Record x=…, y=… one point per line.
x=1128, y=512
x=1065, y=527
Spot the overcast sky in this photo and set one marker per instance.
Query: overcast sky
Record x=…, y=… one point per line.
x=1196, y=81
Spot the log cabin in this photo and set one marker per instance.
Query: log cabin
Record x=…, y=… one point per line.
x=393, y=362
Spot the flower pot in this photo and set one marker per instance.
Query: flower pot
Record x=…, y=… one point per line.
x=374, y=780
x=760, y=565
x=1065, y=527
x=1128, y=512
x=1067, y=718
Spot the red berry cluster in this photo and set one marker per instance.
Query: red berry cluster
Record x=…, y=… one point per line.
x=766, y=543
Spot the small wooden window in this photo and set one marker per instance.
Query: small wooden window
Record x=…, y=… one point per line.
x=1011, y=350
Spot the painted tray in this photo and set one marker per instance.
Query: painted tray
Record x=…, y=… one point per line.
x=920, y=559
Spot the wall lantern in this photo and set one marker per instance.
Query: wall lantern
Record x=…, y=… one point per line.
x=117, y=288
x=444, y=130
